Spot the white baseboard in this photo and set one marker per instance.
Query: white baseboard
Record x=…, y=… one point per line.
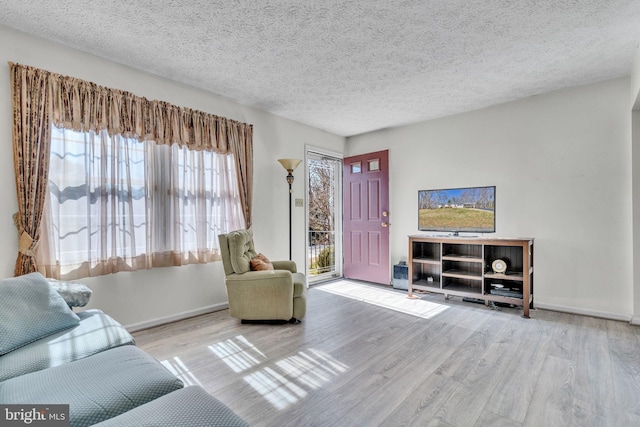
x=175, y=317
x=586, y=312
x=223, y=306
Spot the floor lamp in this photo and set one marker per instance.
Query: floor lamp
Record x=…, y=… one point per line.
x=289, y=165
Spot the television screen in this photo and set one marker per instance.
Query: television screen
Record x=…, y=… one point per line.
x=458, y=210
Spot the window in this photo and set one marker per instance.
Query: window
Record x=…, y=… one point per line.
x=120, y=204
x=324, y=220
x=42, y=99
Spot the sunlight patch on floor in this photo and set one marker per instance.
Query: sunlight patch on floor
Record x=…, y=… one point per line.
x=291, y=378
x=279, y=390
x=384, y=298
x=238, y=353
x=180, y=370
x=312, y=367
x=283, y=382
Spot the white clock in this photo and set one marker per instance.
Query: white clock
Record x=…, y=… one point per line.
x=499, y=266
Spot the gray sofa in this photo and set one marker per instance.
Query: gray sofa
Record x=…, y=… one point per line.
x=50, y=355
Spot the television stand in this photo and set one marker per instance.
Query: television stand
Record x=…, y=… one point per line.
x=455, y=234
x=462, y=266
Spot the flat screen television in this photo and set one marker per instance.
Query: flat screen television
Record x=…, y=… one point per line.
x=458, y=210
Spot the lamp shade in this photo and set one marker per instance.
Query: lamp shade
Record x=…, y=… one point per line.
x=289, y=164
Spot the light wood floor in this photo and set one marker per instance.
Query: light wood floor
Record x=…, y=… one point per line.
x=352, y=363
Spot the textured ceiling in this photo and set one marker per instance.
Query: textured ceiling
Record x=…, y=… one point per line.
x=351, y=67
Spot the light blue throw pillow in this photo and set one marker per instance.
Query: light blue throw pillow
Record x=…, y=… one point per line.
x=74, y=294
x=29, y=310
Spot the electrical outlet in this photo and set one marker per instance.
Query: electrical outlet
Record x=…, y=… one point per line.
x=299, y=203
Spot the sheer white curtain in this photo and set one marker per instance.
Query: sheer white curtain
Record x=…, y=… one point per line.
x=120, y=204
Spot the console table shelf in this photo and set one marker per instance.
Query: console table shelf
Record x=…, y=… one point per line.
x=505, y=276
x=461, y=258
x=462, y=274
x=427, y=261
x=426, y=285
x=461, y=266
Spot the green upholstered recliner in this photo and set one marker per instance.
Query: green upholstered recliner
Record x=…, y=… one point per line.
x=268, y=295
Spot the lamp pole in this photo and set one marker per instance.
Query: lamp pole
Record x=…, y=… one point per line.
x=290, y=165
x=290, y=182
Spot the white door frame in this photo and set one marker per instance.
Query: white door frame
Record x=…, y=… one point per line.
x=317, y=151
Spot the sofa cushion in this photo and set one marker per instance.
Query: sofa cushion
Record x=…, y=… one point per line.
x=31, y=309
x=96, y=332
x=241, y=250
x=96, y=388
x=187, y=407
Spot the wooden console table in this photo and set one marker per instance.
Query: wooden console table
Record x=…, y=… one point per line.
x=463, y=266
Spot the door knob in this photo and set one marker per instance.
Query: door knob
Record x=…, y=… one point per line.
x=385, y=224
x=385, y=213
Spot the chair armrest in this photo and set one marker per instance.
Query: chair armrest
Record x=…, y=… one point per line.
x=285, y=265
x=260, y=277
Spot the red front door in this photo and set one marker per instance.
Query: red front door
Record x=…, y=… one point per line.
x=366, y=217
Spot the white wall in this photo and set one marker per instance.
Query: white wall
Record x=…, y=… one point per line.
x=635, y=102
x=635, y=80
x=561, y=163
x=144, y=297
x=635, y=117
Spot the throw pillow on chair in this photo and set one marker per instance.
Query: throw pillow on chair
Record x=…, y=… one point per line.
x=260, y=262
